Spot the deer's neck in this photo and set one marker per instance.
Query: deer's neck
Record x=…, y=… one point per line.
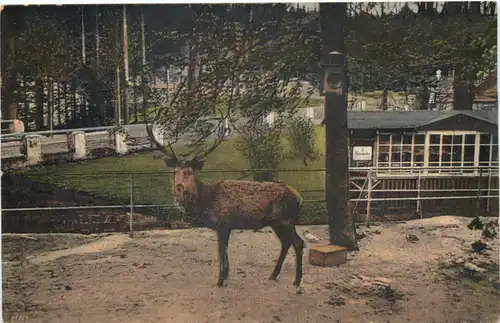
x=196, y=206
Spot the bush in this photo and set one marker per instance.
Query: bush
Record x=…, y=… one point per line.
x=262, y=149
x=301, y=135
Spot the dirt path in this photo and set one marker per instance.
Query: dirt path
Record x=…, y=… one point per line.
x=168, y=276
x=101, y=245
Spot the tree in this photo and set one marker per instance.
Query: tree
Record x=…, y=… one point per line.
x=46, y=56
x=239, y=62
x=12, y=23
x=405, y=48
x=340, y=219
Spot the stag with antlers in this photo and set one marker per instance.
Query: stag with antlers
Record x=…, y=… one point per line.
x=227, y=205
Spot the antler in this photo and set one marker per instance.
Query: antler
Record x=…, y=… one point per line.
x=149, y=129
x=221, y=134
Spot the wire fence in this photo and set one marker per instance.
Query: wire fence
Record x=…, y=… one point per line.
x=80, y=200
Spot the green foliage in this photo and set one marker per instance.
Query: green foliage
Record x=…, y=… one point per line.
x=45, y=49
x=301, y=134
x=246, y=66
x=396, y=50
x=108, y=178
x=263, y=150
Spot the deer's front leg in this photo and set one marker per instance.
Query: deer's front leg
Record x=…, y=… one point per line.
x=223, y=240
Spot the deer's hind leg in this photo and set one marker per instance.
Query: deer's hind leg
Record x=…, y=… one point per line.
x=223, y=240
x=298, y=245
x=285, y=236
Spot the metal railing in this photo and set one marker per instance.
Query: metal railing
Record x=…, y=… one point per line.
x=363, y=189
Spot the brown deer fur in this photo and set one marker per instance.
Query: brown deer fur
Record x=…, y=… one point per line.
x=229, y=204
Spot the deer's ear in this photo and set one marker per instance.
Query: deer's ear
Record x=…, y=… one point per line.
x=170, y=162
x=197, y=165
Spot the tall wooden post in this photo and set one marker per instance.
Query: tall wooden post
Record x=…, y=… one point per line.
x=340, y=220
x=143, y=68
x=125, y=67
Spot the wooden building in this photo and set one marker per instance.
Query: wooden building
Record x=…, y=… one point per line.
x=424, y=162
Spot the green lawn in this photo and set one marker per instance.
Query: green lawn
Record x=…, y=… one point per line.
x=109, y=177
x=379, y=94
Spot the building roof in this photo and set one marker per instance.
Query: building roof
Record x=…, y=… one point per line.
x=411, y=119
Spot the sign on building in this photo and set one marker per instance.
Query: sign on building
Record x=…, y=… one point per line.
x=362, y=153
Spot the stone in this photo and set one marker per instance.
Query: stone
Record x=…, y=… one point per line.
x=411, y=238
x=77, y=145
x=473, y=268
x=33, y=148
x=311, y=237
x=381, y=281
x=118, y=140
x=327, y=255
x=16, y=126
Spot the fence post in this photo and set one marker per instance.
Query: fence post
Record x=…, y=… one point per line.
x=77, y=145
x=120, y=144
x=489, y=191
x=478, y=198
x=33, y=146
x=369, y=198
x=131, y=213
x=419, y=207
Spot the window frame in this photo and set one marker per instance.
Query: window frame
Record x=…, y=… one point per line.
x=453, y=165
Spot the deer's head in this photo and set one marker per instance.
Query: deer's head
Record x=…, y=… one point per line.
x=185, y=185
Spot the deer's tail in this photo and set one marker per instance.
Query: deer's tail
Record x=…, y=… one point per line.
x=300, y=198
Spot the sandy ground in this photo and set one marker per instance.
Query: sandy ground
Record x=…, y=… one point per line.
x=168, y=276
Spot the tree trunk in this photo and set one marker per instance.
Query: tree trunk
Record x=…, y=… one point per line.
x=73, y=103
x=463, y=96
x=475, y=8
x=454, y=8
x=58, y=106
x=126, y=101
x=50, y=104
x=429, y=7
x=340, y=219
x=421, y=7
x=143, y=69
x=422, y=98
x=26, y=105
x=66, y=105
x=39, y=122
x=385, y=99
x=136, y=113
x=493, y=7
x=10, y=22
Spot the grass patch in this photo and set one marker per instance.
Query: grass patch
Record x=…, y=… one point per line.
x=379, y=94
x=152, y=184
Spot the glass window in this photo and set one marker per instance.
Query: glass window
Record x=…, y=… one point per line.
x=419, y=139
x=446, y=156
x=470, y=139
x=484, y=139
x=435, y=139
x=407, y=140
x=384, y=139
x=457, y=140
x=455, y=152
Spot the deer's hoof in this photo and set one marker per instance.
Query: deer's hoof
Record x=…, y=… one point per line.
x=273, y=277
x=220, y=283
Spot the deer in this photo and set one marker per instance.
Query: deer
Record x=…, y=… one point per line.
x=227, y=205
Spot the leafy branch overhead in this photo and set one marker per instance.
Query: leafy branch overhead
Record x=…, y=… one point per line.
x=241, y=66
